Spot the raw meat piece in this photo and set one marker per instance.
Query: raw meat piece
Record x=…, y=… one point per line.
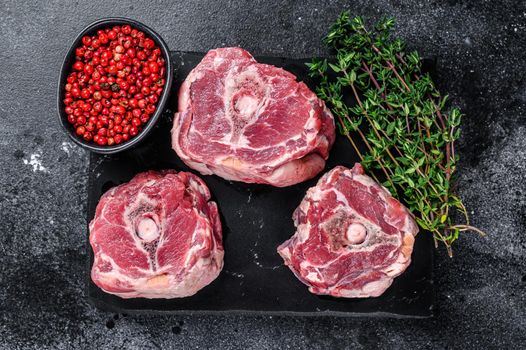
x=250, y=122
x=353, y=238
x=157, y=236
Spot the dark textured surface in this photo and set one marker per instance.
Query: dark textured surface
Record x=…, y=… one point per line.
x=481, y=293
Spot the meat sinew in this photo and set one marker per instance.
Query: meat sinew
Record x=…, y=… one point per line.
x=157, y=236
x=250, y=122
x=353, y=238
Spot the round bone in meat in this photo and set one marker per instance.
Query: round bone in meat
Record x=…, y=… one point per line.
x=356, y=233
x=353, y=238
x=157, y=236
x=147, y=229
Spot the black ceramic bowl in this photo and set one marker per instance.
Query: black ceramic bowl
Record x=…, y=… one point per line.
x=67, y=67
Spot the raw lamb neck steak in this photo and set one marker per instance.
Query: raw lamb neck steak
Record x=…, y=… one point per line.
x=250, y=122
x=157, y=236
x=353, y=238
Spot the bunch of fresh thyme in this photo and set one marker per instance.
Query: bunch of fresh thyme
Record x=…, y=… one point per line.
x=379, y=96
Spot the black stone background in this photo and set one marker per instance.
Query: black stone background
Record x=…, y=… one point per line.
x=481, y=292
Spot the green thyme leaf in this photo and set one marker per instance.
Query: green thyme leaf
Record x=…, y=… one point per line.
x=383, y=100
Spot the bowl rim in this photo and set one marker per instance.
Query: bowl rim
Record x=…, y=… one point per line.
x=66, y=68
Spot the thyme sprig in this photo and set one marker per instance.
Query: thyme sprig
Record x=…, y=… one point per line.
x=395, y=119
